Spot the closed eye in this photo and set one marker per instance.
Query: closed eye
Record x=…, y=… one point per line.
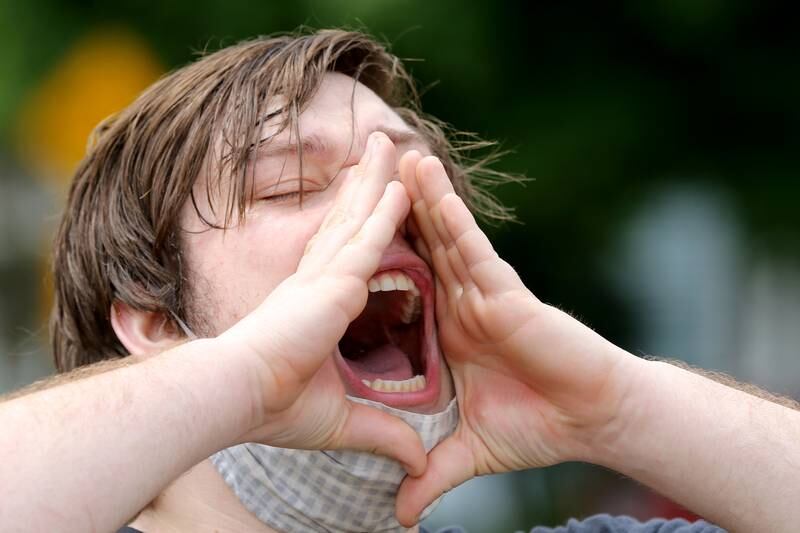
x=275, y=198
x=290, y=189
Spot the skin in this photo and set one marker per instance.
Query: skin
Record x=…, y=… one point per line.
x=535, y=387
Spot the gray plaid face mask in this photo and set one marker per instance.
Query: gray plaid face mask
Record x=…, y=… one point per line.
x=329, y=491
x=332, y=491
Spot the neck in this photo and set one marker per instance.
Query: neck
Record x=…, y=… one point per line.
x=184, y=506
x=198, y=501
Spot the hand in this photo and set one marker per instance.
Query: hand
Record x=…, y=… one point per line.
x=535, y=387
x=289, y=339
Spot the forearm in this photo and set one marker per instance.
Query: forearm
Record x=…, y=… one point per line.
x=729, y=456
x=89, y=454
x=82, y=372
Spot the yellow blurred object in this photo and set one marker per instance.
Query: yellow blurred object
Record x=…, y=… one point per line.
x=101, y=74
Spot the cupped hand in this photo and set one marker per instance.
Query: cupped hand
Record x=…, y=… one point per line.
x=299, y=401
x=535, y=387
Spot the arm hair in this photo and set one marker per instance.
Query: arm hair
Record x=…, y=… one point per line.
x=68, y=377
x=729, y=381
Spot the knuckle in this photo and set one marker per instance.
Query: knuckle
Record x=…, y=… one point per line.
x=355, y=239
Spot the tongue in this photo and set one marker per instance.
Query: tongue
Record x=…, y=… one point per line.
x=384, y=362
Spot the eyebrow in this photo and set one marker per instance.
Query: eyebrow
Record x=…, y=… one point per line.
x=315, y=144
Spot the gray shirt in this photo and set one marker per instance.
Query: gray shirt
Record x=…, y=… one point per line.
x=604, y=523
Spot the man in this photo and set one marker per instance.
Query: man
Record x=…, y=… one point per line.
x=285, y=201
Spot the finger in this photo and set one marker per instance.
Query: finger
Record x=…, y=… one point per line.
x=368, y=429
x=487, y=270
x=417, y=240
x=378, y=170
x=425, y=225
x=449, y=464
x=436, y=249
x=433, y=181
x=422, y=250
x=334, y=217
x=441, y=304
x=362, y=254
x=406, y=168
x=356, y=200
x=346, y=197
x=408, y=174
x=434, y=185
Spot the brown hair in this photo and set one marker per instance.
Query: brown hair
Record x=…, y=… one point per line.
x=119, y=236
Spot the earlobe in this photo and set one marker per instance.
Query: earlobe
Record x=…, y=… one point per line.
x=143, y=333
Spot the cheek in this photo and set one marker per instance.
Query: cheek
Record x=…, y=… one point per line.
x=282, y=241
x=236, y=270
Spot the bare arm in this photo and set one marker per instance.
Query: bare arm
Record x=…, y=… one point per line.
x=68, y=377
x=89, y=454
x=728, y=455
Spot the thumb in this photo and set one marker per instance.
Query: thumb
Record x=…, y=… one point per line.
x=370, y=430
x=449, y=464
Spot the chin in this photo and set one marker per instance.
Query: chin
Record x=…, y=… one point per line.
x=390, y=352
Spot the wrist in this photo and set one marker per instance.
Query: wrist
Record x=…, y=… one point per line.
x=658, y=398
x=626, y=408
x=222, y=377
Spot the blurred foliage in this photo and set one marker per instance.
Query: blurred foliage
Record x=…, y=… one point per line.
x=600, y=102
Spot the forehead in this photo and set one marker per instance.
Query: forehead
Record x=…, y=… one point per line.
x=342, y=105
x=333, y=128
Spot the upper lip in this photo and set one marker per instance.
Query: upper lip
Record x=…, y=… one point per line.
x=399, y=255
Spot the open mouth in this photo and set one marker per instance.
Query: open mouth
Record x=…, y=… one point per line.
x=389, y=353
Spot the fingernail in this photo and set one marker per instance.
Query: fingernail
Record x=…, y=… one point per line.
x=407, y=468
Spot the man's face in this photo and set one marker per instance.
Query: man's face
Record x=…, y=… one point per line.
x=390, y=353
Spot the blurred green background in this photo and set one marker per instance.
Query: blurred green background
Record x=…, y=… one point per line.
x=661, y=138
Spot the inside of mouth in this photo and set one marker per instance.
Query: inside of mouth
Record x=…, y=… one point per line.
x=379, y=344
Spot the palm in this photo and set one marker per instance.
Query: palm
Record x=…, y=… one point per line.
x=481, y=335
x=478, y=325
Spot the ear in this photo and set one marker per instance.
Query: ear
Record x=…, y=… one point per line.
x=143, y=333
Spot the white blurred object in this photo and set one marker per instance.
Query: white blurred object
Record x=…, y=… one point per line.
x=770, y=318
x=477, y=505
x=27, y=218
x=679, y=265
x=701, y=293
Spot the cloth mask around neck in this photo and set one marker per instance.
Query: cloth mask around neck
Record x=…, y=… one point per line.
x=339, y=491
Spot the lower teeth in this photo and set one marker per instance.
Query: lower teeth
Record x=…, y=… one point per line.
x=417, y=383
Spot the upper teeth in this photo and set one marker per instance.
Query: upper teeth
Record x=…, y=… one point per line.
x=399, y=281
x=392, y=281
